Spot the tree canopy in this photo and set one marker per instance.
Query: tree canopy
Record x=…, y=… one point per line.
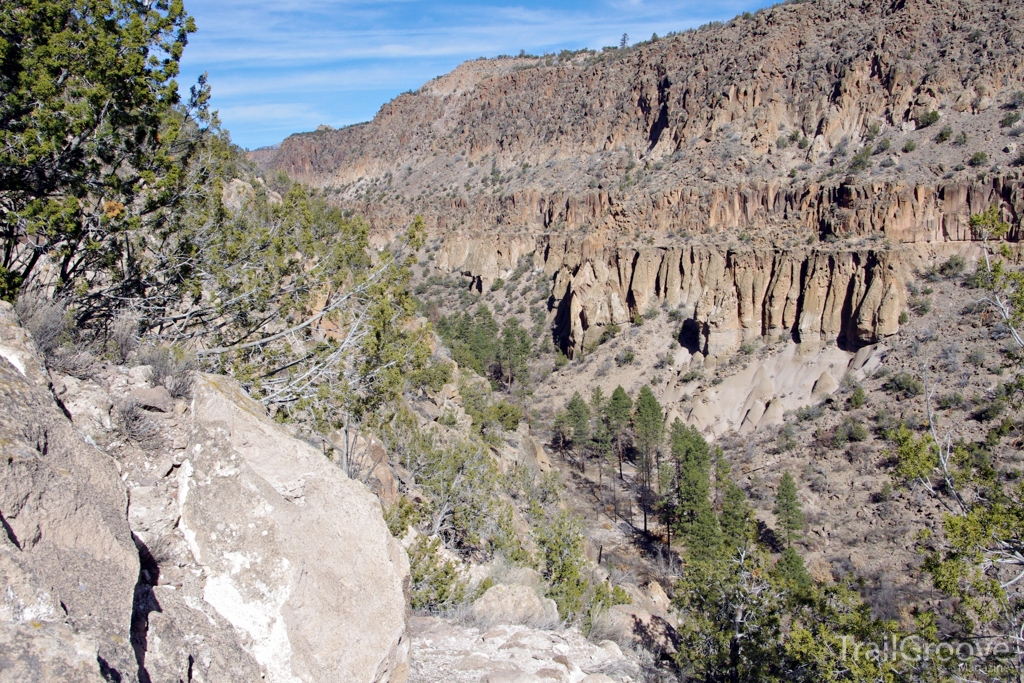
x=93, y=138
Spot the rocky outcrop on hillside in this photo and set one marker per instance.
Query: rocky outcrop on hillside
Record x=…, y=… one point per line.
x=727, y=296
x=68, y=565
x=152, y=538
x=751, y=125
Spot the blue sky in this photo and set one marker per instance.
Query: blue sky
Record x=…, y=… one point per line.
x=283, y=66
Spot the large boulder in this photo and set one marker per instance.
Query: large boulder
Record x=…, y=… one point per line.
x=222, y=549
x=294, y=555
x=514, y=604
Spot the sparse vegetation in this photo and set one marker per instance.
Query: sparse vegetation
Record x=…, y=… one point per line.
x=928, y=118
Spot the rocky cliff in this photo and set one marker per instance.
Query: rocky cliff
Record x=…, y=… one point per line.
x=148, y=538
x=726, y=296
x=752, y=125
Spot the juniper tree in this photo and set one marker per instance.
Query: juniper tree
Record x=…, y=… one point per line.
x=94, y=139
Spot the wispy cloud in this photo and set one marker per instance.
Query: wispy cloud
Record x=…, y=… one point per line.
x=288, y=65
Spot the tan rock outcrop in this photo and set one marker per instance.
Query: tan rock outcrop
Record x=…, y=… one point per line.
x=68, y=566
x=295, y=556
x=223, y=550
x=730, y=296
x=514, y=604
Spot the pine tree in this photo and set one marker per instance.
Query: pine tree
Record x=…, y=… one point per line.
x=578, y=418
x=787, y=508
x=513, y=353
x=649, y=428
x=617, y=412
x=791, y=572
x=736, y=518
x=695, y=516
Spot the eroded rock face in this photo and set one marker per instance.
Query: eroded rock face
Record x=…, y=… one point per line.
x=68, y=566
x=222, y=549
x=729, y=296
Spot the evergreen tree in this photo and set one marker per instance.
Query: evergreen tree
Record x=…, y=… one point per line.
x=648, y=428
x=601, y=443
x=617, y=413
x=787, y=508
x=513, y=353
x=736, y=518
x=482, y=336
x=791, y=572
x=578, y=421
x=578, y=413
x=696, y=520
x=94, y=141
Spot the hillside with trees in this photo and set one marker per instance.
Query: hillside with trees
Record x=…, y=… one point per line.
x=602, y=438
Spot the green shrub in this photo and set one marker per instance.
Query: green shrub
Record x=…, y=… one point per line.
x=857, y=398
x=978, y=159
x=561, y=360
x=849, y=430
x=652, y=313
x=961, y=139
x=436, y=584
x=782, y=142
x=945, y=134
x=809, y=413
x=861, y=161
x=1010, y=119
x=927, y=119
x=904, y=318
x=625, y=357
x=609, y=332
x=691, y=375
x=401, y=515
x=954, y=400
x=883, y=146
x=786, y=441
x=953, y=266
x=497, y=284
x=919, y=304
x=804, y=143
x=904, y=383
x=990, y=410
x=433, y=377
x=909, y=146
x=560, y=543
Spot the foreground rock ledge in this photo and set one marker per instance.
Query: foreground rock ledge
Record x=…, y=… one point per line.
x=248, y=557
x=296, y=555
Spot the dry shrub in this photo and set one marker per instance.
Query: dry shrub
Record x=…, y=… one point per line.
x=124, y=336
x=172, y=368
x=134, y=424
x=45, y=318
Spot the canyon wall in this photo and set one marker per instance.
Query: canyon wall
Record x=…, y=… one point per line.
x=727, y=296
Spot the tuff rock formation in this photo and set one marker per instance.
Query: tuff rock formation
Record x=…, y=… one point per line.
x=727, y=296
